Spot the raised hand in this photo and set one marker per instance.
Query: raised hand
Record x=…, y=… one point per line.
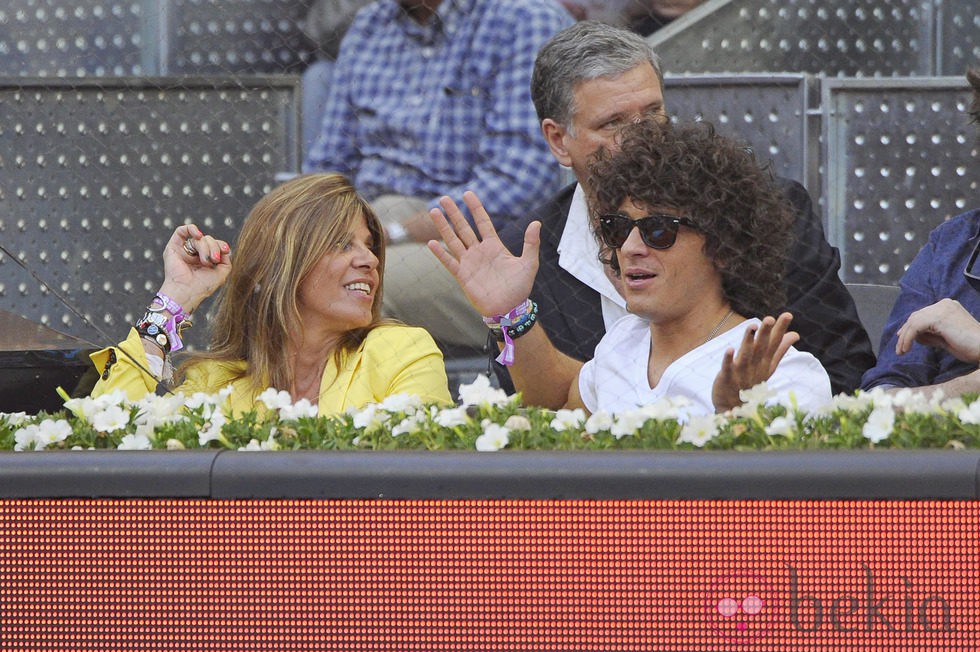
x=494, y=280
x=190, y=278
x=762, y=348
x=945, y=324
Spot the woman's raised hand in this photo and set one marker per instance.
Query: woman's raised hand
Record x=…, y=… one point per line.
x=194, y=266
x=494, y=280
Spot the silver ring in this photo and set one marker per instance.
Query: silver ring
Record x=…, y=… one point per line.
x=189, y=248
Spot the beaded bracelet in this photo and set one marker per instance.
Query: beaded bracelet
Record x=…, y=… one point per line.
x=169, y=326
x=507, y=328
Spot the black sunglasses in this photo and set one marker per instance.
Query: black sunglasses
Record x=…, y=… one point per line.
x=659, y=231
x=972, y=270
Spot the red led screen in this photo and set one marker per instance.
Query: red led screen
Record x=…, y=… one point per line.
x=489, y=575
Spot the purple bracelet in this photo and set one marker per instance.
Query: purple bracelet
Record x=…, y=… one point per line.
x=170, y=327
x=171, y=306
x=506, y=356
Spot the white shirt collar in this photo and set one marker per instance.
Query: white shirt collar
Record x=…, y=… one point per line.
x=578, y=254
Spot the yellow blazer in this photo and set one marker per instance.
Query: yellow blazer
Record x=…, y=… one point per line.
x=393, y=359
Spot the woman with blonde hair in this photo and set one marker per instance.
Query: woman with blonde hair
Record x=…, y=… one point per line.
x=300, y=310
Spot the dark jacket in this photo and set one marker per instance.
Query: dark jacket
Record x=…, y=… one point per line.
x=823, y=312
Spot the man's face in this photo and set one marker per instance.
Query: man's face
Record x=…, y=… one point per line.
x=600, y=107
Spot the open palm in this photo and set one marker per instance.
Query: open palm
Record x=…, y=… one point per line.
x=494, y=280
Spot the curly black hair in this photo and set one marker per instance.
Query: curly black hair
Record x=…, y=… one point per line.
x=714, y=180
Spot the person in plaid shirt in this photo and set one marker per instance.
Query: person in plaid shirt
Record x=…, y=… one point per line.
x=432, y=98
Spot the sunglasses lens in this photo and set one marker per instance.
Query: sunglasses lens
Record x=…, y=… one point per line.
x=614, y=230
x=656, y=234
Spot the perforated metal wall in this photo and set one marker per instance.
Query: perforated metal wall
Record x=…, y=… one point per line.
x=768, y=112
x=833, y=37
x=899, y=158
x=959, y=47
x=252, y=36
x=95, y=176
x=54, y=38
x=74, y=38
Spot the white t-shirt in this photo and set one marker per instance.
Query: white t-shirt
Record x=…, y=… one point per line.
x=615, y=380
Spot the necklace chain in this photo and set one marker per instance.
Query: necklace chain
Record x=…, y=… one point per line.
x=714, y=331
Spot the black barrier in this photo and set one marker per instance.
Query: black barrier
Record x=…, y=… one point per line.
x=703, y=475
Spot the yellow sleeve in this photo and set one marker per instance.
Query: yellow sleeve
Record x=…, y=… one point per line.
x=418, y=368
x=124, y=367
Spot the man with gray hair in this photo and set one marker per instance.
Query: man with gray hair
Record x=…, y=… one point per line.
x=589, y=80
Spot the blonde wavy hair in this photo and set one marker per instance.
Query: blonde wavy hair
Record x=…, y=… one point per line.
x=283, y=238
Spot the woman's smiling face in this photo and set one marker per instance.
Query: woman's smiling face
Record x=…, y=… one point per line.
x=338, y=294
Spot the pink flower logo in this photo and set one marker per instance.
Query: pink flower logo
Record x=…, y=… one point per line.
x=741, y=608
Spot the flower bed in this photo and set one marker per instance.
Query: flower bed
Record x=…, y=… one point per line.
x=489, y=420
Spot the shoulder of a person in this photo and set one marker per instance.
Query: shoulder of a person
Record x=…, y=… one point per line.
x=962, y=227
x=552, y=213
x=382, y=338
x=211, y=373
x=524, y=12
x=374, y=18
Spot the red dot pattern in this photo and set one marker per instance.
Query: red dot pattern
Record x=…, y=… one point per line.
x=488, y=575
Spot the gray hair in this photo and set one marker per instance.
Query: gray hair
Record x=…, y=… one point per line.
x=587, y=50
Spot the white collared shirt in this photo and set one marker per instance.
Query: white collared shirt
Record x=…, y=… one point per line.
x=578, y=254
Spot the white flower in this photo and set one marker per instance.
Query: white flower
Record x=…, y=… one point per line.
x=757, y=395
x=568, y=419
x=627, y=423
x=517, y=422
x=134, y=443
x=86, y=408
x=699, y=430
x=275, y=399
x=953, y=404
x=408, y=425
x=110, y=419
x=780, y=426
x=494, y=437
x=479, y=392
x=880, y=423
x=175, y=445
x=451, y=417
x=598, y=422
x=254, y=445
x=406, y=403
x=38, y=436
x=15, y=418
x=159, y=410
x=370, y=417
x=201, y=399
x=26, y=438
x=211, y=430
x=666, y=408
x=915, y=401
x=970, y=414
x=298, y=410
x=856, y=402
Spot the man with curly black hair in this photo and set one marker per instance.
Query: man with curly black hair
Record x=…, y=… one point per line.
x=588, y=80
x=932, y=338
x=697, y=235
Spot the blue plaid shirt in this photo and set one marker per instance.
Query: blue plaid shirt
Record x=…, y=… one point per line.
x=440, y=108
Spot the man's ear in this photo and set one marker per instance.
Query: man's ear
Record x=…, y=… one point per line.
x=554, y=135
